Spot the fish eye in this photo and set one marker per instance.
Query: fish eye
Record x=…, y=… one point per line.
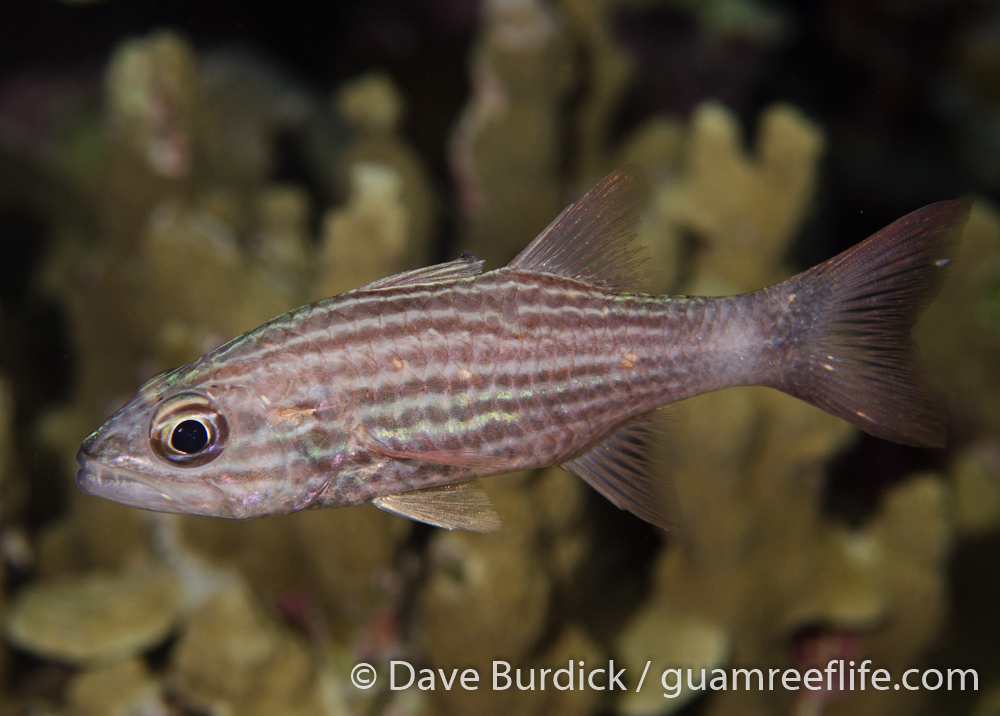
x=188, y=429
x=189, y=437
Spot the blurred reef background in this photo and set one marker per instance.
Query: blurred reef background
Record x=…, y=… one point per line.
x=175, y=173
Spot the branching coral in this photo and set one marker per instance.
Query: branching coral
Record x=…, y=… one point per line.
x=744, y=209
x=505, y=149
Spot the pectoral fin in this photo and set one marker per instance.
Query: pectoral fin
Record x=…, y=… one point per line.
x=621, y=470
x=467, y=459
x=464, y=506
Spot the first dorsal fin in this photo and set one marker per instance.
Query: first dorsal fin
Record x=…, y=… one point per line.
x=595, y=239
x=621, y=470
x=464, y=506
x=463, y=267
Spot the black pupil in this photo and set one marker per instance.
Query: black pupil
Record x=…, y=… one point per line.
x=189, y=437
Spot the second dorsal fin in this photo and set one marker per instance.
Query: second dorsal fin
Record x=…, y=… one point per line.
x=595, y=239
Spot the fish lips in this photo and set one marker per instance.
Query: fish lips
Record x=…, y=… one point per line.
x=136, y=490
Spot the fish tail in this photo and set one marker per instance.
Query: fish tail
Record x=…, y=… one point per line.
x=847, y=346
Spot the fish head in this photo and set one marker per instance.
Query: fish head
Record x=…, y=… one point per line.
x=188, y=445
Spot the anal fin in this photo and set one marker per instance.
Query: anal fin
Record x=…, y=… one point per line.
x=464, y=506
x=621, y=470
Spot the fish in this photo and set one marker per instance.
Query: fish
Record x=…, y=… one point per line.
x=405, y=391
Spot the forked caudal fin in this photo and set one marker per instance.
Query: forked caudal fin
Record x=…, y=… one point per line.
x=850, y=351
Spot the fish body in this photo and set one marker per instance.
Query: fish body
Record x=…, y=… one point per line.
x=404, y=391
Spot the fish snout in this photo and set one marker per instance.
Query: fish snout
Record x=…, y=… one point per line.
x=84, y=477
x=87, y=447
x=147, y=492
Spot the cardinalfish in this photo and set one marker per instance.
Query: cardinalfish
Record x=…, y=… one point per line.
x=404, y=391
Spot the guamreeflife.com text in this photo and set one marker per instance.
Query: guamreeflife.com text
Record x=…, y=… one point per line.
x=837, y=676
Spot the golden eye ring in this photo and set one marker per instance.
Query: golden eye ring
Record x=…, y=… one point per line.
x=188, y=429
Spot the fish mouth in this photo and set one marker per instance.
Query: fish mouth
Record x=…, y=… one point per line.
x=135, y=490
